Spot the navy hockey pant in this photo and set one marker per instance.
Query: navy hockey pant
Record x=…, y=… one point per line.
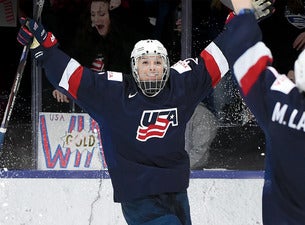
x=163, y=209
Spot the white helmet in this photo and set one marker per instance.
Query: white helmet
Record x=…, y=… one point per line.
x=151, y=48
x=299, y=71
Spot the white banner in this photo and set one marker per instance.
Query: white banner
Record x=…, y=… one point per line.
x=69, y=141
x=8, y=13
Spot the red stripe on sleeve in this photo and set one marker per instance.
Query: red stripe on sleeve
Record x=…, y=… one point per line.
x=211, y=66
x=49, y=41
x=74, y=81
x=230, y=17
x=253, y=74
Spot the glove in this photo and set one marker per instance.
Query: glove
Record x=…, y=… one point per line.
x=33, y=34
x=263, y=8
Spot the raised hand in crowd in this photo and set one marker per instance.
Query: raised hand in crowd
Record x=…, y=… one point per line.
x=60, y=97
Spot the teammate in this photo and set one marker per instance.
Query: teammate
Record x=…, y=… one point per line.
x=143, y=117
x=279, y=107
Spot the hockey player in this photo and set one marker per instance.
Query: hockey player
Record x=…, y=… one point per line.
x=278, y=104
x=143, y=117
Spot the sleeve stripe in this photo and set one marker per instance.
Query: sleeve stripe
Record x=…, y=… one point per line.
x=71, y=77
x=215, y=62
x=251, y=76
x=250, y=65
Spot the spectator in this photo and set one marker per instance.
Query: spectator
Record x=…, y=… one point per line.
x=162, y=16
x=103, y=41
x=283, y=33
x=63, y=18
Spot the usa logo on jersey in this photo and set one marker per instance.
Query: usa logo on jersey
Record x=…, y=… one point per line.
x=154, y=123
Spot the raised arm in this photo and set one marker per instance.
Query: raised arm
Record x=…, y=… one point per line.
x=239, y=5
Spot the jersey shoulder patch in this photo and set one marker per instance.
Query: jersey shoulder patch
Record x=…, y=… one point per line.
x=282, y=84
x=183, y=65
x=115, y=76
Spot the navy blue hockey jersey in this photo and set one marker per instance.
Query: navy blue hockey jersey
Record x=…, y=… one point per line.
x=279, y=108
x=143, y=138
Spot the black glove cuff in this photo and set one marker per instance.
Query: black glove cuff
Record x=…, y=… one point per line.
x=40, y=53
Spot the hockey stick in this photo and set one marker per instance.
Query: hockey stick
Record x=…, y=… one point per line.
x=12, y=97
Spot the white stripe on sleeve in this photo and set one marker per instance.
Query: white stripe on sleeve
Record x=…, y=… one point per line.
x=70, y=68
x=219, y=58
x=249, y=59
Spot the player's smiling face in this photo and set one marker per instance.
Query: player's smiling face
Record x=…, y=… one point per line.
x=100, y=17
x=150, y=67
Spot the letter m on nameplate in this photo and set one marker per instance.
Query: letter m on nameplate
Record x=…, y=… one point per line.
x=154, y=123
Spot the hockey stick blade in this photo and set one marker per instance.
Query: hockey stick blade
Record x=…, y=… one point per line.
x=38, y=9
x=14, y=90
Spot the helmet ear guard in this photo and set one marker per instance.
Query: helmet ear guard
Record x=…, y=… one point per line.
x=299, y=71
x=150, y=48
